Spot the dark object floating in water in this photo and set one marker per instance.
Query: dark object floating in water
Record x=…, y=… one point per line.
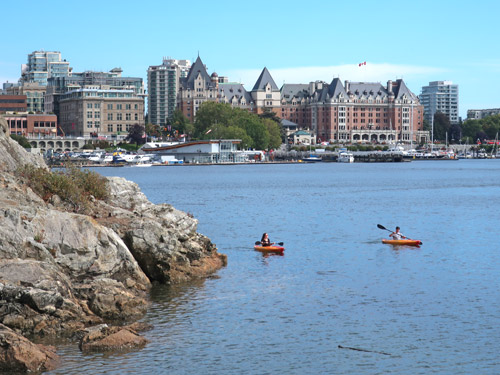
x=362, y=350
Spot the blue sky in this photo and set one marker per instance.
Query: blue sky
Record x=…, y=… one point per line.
x=298, y=41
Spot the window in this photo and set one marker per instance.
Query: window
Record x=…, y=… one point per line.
x=89, y=105
x=97, y=124
x=89, y=124
x=128, y=106
x=97, y=114
x=136, y=117
x=128, y=116
x=110, y=106
x=118, y=106
x=110, y=128
x=119, y=116
x=119, y=127
x=136, y=106
x=97, y=105
x=89, y=114
x=110, y=117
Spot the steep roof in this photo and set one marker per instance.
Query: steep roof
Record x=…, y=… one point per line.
x=401, y=89
x=197, y=67
x=335, y=88
x=263, y=80
x=360, y=89
x=289, y=90
x=230, y=90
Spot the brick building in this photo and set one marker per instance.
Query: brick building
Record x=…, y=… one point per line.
x=13, y=103
x=32, y=125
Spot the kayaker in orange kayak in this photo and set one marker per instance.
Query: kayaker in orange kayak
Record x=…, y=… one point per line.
x=397, y=235
x=265, y=241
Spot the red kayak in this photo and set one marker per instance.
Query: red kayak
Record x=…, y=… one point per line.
x=402, y=242
x=270, y=249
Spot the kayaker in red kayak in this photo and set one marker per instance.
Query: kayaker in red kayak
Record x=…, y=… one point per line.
x=397, y=235
x=265, y=241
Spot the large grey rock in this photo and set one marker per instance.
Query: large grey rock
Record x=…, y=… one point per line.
x=13, y=155
x=61, y=272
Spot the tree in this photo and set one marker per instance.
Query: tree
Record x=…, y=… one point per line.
x=219, y=120
x=137, y=135
x=153, y=130
x=23, y=141
x=441, y=126
x=181, y=123
x=275, y=136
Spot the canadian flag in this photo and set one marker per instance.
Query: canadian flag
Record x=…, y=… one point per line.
x=363, y=63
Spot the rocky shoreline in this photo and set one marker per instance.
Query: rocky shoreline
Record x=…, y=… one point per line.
x=65, y=274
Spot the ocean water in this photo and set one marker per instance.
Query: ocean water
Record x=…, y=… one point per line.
x=428, y=310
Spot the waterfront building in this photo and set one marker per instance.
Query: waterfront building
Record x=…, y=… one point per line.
x=100, y=111
x=440, y=96
x=58, y=86
x=478, y=114
x=302, y=137
x=13, y=103
x=266, y=94
x=196, y=88
x=43, y=65
x=236, y=95
x=356, y=111
x=32, y=125
x=206, y=152
x=163, y=88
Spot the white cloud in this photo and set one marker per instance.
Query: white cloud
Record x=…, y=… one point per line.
x=352, y=72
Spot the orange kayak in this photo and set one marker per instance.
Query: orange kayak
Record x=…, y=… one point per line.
x=270, y=249
x=403, y=242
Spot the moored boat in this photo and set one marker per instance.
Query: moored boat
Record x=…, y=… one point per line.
x=312, y=159
x=402, y=242
x=346, y=157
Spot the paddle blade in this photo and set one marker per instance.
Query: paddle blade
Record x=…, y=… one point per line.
x=380, y=226
x=258, y=243
x=281, y=243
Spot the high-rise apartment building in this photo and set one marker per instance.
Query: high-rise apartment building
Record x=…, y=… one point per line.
x=163, y=88
x=43, y=65
x=440, y=96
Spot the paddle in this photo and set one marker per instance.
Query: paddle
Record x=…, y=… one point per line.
x=380, y=226
x=279, y=243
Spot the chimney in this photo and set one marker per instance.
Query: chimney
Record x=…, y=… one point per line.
x=389, y=87
x=312, y=88
x=346, y=85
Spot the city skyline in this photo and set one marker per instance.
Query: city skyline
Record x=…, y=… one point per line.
x=431, y=41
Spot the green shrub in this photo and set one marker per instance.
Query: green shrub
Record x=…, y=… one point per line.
x=23, y=141
x=72, y=185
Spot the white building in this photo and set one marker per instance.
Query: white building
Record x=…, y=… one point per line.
x=196, y=152
x=440, y=96
x=163, y=87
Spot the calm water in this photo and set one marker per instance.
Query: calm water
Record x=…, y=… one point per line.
x=434, y=309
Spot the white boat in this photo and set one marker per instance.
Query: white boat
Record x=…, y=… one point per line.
x=312, y=159
x=345, y=157
x=141, y=165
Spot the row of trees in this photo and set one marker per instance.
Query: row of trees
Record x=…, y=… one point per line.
x=221, y=121
x=482, y=129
